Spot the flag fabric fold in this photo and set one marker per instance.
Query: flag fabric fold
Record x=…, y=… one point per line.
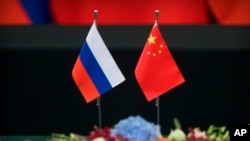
x=95, y=72
x=156, y=71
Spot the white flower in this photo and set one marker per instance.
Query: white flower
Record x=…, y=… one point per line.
x=200, y=134
x=177, y=135
x=99, y=139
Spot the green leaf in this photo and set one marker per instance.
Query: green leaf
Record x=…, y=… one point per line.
x=225, y=136
x=177, y=123
x=210, y=129
x=223, y=129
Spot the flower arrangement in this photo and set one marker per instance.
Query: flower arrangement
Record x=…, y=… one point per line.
x=136, y=128
x=104, y=134
x=213, y=133
x=133, y=128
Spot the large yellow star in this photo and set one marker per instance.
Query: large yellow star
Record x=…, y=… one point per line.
x=151, y=39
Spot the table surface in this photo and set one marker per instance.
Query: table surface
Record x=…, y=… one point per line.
x=24, y=138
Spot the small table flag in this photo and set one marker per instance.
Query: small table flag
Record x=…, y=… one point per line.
x=156, y=71
x=95, y=71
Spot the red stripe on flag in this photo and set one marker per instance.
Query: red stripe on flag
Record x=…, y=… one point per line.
x=84, y=82
x=12, y=12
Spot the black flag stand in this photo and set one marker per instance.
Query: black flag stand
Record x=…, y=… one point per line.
x=98, y=101
x=157, y=104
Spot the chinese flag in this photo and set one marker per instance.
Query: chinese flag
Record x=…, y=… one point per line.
x=156, y=70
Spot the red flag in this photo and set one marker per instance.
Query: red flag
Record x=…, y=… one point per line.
x=156, y=70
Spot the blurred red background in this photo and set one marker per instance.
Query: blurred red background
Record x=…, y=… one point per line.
x=124, y=12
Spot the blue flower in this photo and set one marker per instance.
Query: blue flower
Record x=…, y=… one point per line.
x=135, y=128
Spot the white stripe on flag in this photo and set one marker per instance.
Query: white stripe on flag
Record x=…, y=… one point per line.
x=103, y=57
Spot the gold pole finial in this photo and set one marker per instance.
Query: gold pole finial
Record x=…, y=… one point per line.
x=157, y=13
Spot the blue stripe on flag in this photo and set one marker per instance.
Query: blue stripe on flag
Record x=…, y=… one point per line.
x=38, y=10
x=94, y=70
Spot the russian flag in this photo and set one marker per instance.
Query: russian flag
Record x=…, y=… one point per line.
x=95, y=71
x=24, y=12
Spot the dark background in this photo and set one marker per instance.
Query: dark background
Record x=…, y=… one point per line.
x=38, y=95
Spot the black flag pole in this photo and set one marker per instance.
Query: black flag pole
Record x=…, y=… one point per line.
x=98, y=101
x=157, y=104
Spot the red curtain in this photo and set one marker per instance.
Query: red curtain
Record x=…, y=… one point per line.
x=231, y=12
x=124, y=12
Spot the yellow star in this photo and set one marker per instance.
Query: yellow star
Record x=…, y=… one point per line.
x=151, y=39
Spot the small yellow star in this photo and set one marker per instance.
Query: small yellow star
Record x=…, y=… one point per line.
x=151, y=39
x=161, y=46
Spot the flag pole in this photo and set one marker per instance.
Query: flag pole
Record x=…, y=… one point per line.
x=157, y=104
x=98, y=101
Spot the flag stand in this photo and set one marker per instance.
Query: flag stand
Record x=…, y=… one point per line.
x=98, y=101
x=157, y=104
